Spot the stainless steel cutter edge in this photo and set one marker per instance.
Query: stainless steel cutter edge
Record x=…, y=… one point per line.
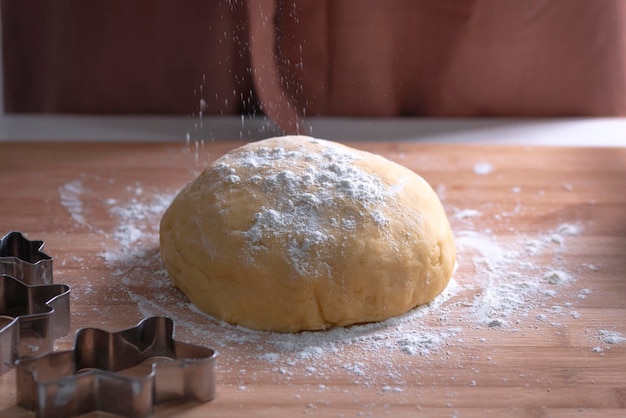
x=35, y=312
x=34, y=316
x=24, y=259
x=94, y=375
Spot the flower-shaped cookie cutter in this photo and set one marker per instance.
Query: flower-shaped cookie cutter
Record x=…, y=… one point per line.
x=126, y=372
x=33, y=311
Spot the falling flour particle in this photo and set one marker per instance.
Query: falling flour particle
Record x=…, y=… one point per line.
x=483, y=168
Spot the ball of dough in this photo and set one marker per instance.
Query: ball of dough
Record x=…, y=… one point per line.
x=295, y=233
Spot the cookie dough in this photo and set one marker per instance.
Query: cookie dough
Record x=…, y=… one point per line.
x=295, y=233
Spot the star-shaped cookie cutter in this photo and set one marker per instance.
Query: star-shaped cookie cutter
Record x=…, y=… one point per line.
x=31, y=318
x=24, y=259
x=126, y=372
x=33, y=311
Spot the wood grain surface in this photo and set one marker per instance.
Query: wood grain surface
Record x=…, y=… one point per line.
x=560, y=351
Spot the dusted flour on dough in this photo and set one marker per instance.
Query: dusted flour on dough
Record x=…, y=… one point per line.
x=301, y=200
x=295, y=233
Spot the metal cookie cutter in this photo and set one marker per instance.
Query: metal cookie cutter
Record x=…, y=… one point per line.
x=33, y=311
x=24, y=259
x=31, y=318
x=126, y=373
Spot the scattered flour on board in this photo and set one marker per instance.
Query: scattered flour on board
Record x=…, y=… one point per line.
x=465, y=213
x=507, y=283
x=611, y=337
x=511, y=280
x=70, y=195
x=483, y=168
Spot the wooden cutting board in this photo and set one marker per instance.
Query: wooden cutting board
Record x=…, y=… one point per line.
x=534, y=323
